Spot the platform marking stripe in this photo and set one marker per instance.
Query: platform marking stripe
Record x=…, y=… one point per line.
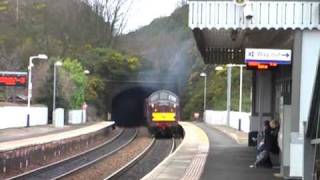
x=194, y=171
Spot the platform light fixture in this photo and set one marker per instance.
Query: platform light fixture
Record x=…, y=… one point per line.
x=56, y=64
x=229, y=67
x=203, y=74
x=240, y=2
x=84, y=105
x=219, y=68
x=31, y=58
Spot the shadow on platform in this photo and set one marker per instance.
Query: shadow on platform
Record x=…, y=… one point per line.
x=228, y=160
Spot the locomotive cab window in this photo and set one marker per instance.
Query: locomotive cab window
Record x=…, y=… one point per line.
x=164, y=95
x=172, y=98
x=154, y=97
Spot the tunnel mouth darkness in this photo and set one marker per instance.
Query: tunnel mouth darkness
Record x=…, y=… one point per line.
x=128, y=107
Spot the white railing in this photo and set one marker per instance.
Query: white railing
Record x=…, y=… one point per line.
x=237, y=119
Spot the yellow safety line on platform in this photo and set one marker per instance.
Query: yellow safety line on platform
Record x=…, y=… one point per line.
x=188, y=161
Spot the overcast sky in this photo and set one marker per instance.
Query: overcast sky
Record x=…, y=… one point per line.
x=144, y=11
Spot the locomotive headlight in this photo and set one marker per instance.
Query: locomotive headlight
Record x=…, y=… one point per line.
x=152, y=105
x=175, y=105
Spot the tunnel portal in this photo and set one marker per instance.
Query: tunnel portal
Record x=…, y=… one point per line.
x=128, y=107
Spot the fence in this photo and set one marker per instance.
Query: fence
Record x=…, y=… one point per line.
x=16, y=116
x=77, y=116
x=238, y=120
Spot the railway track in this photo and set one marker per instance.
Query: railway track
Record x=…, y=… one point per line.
x=177, y=142
x=71, y=165
x=158, y=150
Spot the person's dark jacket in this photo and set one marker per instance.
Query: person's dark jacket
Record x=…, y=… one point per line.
x=274, y=141
x=268, y=139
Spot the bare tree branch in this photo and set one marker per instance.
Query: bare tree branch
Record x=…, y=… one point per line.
x=115, y=13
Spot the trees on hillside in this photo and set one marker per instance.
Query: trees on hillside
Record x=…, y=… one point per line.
x=89, y=31
x=65, y=30
x=115, y=14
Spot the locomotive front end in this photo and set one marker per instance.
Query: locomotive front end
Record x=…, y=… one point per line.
x=163, y=114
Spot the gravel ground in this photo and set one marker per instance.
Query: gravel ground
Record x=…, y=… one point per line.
x=114, y=162
x=160, y=150
x=62, y=168
x=112, y=133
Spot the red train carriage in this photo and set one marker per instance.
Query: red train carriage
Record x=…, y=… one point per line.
x=162, y=111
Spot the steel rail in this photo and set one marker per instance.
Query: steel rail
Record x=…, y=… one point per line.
x=132, y=162
x=173, y=147
x=99, y=158
x=67, y=159
x=144, y=156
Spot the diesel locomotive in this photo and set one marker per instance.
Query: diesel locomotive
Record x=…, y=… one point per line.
x=162, y=112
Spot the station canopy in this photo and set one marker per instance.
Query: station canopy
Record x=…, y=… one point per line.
x=223, y=29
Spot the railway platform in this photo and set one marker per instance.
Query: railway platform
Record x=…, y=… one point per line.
x=24, y=149
x=25, y=137
x=211, y=152
x=230, y=157
x=12, y=134
x=188, y=161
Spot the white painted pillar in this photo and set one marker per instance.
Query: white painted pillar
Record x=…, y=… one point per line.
x=310, y=52
x=309, y=64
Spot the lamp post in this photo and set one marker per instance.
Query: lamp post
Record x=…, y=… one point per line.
x=229, y=66
x=84, y=105
x=31, y=58
x=56, y=64
x=240, y=94
x=86, y=72
x=229, y=69
x=204, y=93
x=240, y=87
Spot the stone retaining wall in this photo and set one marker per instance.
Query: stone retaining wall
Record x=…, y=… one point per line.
x=26, y=158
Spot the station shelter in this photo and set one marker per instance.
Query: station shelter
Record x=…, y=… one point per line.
x=224, y=29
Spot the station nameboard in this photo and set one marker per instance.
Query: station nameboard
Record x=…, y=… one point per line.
x=13, y=78
x=266, y=58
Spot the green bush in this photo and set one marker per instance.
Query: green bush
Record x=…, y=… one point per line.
x=76, y=72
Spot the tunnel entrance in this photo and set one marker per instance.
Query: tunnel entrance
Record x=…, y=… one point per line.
x=128, y=107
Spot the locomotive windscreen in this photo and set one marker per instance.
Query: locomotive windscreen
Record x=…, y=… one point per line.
x=163, y=95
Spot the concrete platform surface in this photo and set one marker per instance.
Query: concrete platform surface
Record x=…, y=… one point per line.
x=11, y=139
x=11, y=134
x=188, y=160
x=239, y=136
x=229, y=160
